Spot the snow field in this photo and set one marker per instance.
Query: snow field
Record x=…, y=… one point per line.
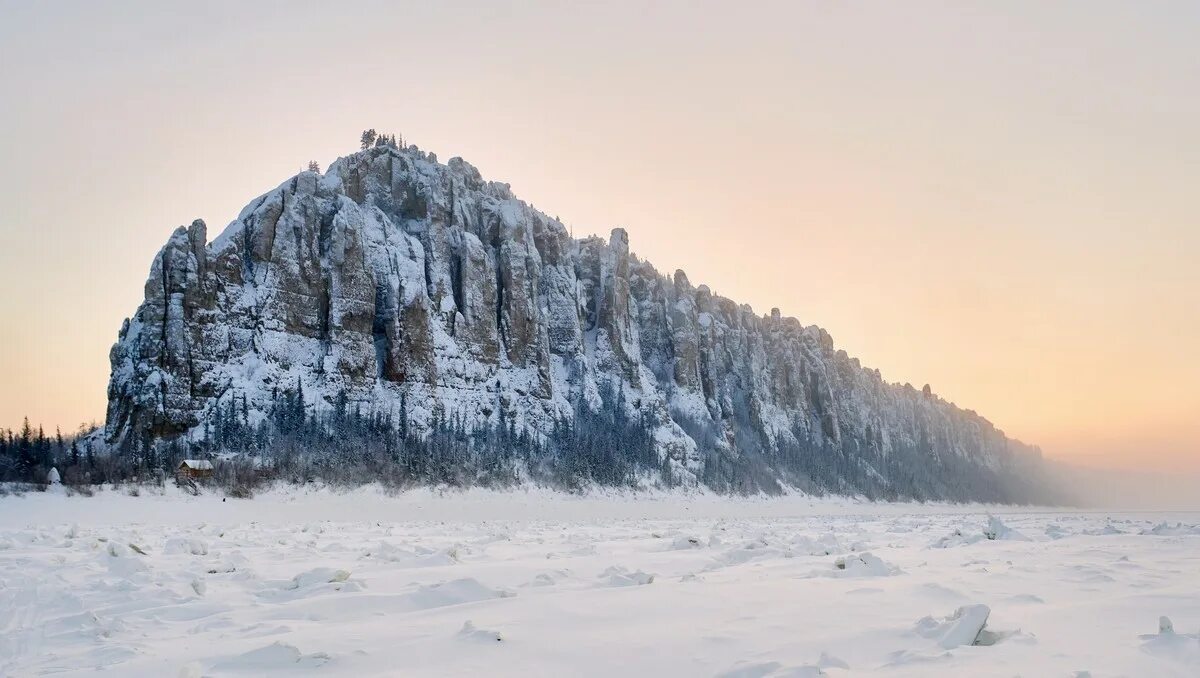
x=422, y=585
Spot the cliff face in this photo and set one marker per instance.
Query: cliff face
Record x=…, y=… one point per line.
x=395, y=276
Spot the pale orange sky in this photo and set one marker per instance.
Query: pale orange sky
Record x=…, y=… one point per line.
x=997, y=199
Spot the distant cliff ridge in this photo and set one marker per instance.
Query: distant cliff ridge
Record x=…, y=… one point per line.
x=423, y=298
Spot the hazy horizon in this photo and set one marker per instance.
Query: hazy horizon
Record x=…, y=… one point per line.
x=994, y=200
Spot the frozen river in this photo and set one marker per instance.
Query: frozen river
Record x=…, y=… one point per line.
x=536, y=584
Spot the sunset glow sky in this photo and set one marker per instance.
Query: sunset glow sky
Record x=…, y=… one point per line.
x=999, y=199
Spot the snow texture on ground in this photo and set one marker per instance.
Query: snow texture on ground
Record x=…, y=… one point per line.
x=314, y=583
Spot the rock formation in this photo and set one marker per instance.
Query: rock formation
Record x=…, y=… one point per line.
x=393, y=275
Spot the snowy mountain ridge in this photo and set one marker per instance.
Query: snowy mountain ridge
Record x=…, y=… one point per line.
x=396, y=284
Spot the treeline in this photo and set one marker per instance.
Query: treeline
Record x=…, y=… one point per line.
x=345, y=445
x=27, y=455
x=850, y=462
x=297, y=442
x=906, y=473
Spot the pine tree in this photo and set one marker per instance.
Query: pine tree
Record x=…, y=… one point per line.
x=368, y=138
x=7, y=454
x=314, y=167
x=25, y=452
x=403, y=416
x=299, y=413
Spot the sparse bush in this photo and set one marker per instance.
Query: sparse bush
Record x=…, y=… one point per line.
x=240, y=478
x=81, y=490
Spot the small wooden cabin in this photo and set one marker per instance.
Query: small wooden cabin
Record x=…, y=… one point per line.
x=194, y=469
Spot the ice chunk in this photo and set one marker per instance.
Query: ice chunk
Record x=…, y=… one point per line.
x=619, y=576
x=684, y=542
x=961, y=628
x=276, y=657
x=997, y=530
x=320, y=575
x=956, y=538
x=454, y=592
x=470, y=632
x=195, y=547
x=549, y=578
x=771, y=670
x=1180, y=647
x=864, y=565
x=1165, y=529
x=828, y=661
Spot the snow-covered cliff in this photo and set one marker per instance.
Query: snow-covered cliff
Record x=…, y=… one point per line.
x=393, y=277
